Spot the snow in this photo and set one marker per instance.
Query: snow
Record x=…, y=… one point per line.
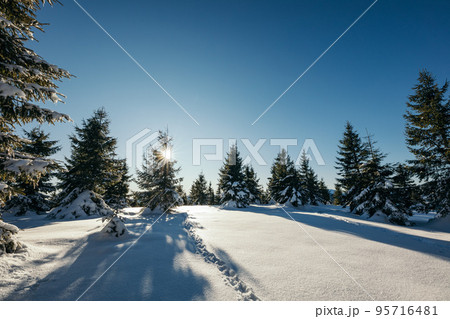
x=3, y=186
x=208, y=253
x=13, y=229
x=7, y=90
x=80, y=205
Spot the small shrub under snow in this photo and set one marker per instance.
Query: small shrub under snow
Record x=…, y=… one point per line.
x=115, y=225
x=8, y=241
x=81, y=204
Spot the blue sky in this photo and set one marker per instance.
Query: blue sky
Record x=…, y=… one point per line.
x=227, y=61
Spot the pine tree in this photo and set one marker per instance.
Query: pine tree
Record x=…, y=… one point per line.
x=157, y=178
x=91, y=172
x=252, y=182
x=266, y=197
x=116, y=194
x=25, y=79
x=233, y=190
x=405, y=188
x=309, y=182
x=199, y=191
x=35, y=197
x=379, y=195
x=428, y=138
x=211, y=195
x=338, y=195
x=352, y=154
x=180, y=191
x=284, y=183
x=325, y=197
x=92, y=163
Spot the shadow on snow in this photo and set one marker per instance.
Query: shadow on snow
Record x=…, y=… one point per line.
x=317, y=217
x=148, y=271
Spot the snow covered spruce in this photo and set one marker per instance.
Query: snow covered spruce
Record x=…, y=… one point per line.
x=25, y=78
x=157, y=178
x=292, y=186
x=238, y=184
x=8, y=239
x=93, y=174
x=115, y=224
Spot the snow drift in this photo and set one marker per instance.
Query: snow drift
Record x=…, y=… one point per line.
x=81, y=204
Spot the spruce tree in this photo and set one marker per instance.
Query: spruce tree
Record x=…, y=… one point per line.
x=252, y=182
x=233, y=190
x=324, y=193
x=35, y=197
x=157, y=178
x=428, y=139
x=309, y=182
x=405, y=188
x=91, y=172
x=180, y=191
x=116, y=194
x=284, y=183
x=352, y=154
x=379, y=194
x=211, y=195
x=199, y=191
x=91, y=165
x=26, y=79
x=338, y=195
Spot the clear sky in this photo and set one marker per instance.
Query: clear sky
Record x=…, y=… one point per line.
x=227, y=61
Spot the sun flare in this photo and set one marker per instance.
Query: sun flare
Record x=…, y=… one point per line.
x=167, y=154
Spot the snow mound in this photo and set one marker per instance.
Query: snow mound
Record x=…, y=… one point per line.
x=147, y=211
x=8, y=240
x=21, y=205
x=115, y=225
x=229, y=204
x=379, y=217
x=81, y=204
x=440, y=224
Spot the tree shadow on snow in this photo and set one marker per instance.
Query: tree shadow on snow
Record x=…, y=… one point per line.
x=375, y=231
x=149, y=270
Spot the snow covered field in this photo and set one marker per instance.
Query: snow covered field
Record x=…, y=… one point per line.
x=205, y=253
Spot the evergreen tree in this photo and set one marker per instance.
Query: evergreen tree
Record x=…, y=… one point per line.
x=266, y=197
x=325, y=197
x=379, y=195
x=428, y=138
x=252, y=182
x=352, y=154
x=211, y=195
x=26, y=78
x=180, y=191
x=199, y=191
x=217, y=197
x=284, y=183
x=405, y=189
x=116, y=194
x=233, y=190
x=338, y=195
x=309, y=182
x=35, y=197
x=158, y=178
x=92, y=165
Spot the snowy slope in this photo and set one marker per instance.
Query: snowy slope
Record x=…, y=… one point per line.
x=64, y=258
x=206, y=253
x=280, y=261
